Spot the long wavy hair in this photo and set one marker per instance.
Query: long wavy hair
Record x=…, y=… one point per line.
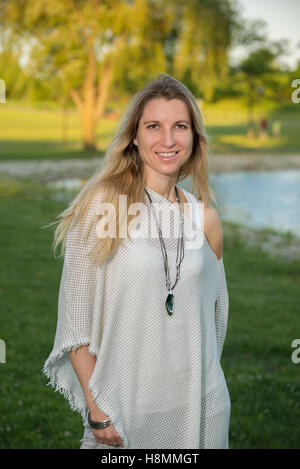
x=122, y=169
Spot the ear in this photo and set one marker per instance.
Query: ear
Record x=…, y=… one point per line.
x=135, y=141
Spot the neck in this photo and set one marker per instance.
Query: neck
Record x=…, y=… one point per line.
x=166, y=189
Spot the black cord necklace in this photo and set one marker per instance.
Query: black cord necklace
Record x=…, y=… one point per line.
x=180, y=255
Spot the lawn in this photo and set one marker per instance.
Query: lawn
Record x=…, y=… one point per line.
x=226, y=124
x=263, y=381
x=36, y=133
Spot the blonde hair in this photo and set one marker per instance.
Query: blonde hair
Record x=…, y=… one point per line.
x=122, y=171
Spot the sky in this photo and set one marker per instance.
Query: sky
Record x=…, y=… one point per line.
x=283, y=20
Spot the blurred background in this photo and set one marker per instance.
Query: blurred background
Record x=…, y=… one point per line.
x=68, y=69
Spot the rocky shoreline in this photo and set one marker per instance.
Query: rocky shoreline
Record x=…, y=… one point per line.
x=256, y=161
x=282, y=246
x=47, y=170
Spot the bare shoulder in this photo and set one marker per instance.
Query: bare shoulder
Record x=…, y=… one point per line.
x=213, y=229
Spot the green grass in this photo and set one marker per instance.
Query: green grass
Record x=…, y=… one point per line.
x=264, y=320
x=29, y=132
x=226, y=124
x=34, y=133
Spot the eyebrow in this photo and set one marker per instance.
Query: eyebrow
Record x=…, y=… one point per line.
x=158, y=122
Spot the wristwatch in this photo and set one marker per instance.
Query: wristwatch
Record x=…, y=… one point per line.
x=98, y=425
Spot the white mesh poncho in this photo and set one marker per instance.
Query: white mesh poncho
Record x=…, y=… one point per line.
x=157, y=377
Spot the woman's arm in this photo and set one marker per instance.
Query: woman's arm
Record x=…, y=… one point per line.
x=213, y=230
x=214, y=234
x=84, y=363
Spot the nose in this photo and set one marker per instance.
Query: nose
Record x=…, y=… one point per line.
x=168, y=138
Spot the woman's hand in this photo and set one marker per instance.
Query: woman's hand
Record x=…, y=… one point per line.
x=84, y=363
x=108, y=436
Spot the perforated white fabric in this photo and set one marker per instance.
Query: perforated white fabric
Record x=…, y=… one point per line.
x=157, y=377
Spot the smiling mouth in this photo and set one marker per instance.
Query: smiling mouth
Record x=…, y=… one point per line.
x=167, y=154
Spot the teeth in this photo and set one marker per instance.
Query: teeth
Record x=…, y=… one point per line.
x=167, y=154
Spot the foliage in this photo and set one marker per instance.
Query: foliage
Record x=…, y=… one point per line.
x=83, y=53
x=139, y=38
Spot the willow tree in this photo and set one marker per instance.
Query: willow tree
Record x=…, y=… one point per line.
x=79, y=45
x=203, y=41
x=86, y=48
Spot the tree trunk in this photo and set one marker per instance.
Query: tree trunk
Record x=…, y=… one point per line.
x=88, y=130
x=92, y=99
x=251, y=123
x=89, y=102
x=103, y=89
x=64, y=133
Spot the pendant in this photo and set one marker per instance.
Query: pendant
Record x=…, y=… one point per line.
x=169, y=303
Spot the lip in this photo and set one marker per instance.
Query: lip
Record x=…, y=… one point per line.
x=167, y=158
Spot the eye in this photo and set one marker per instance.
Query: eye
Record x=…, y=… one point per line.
x=152, y=126
x=182, y=126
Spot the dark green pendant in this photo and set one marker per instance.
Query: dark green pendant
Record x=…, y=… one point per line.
x=169, y=304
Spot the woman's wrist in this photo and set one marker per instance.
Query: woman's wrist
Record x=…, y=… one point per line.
x=96, y=414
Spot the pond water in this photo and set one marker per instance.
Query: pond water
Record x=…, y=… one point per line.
x=260, y=198
x=255, y=198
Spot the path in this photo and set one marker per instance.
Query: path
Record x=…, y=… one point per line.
x=54, y=169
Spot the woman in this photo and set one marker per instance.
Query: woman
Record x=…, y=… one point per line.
x=142, y=317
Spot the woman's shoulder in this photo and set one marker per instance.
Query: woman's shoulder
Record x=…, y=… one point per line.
x=213, y=230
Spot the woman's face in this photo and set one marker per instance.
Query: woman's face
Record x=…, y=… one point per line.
x=164, y=137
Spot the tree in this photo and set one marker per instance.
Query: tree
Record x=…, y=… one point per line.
x=15, y=79
x=258, y=73
x=73, y=43
x=259, y=70
x=83, y=48
x=79, y=45
x=205, y=34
